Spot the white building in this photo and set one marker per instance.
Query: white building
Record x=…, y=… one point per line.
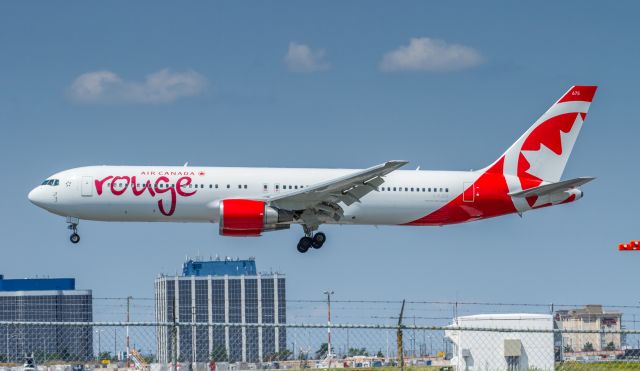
x=502, y=350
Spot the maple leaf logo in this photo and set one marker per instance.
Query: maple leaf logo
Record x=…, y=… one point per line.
x=545, y=152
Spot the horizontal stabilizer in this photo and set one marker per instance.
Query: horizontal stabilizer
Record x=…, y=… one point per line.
x=547, y=189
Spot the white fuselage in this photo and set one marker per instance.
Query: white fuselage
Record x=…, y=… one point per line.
x=193, y=194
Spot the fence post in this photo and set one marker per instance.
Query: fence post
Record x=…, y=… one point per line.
x=399, y=336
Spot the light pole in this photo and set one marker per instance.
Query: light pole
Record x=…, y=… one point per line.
x=328, y=293
x=99, y=344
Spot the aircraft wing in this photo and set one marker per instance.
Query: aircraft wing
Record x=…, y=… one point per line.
x=546, y=189
x=321, y=200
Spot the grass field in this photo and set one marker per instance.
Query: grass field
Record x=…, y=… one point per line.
x=613, y=365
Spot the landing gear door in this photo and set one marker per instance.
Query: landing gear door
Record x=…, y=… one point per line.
x=469, y=192
x=87, y=186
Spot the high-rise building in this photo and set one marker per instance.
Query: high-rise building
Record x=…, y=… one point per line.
x=45, y=300
x=221, y=292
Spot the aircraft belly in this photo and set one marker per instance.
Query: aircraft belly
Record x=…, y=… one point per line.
x=390, y=213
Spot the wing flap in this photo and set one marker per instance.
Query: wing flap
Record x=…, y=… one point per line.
x=349, y=188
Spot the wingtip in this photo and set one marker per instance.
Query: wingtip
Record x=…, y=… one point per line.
x=398, y=162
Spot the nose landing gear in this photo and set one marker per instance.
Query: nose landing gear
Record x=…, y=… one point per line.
x=73, y=226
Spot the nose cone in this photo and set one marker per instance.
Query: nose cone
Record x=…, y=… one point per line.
x=37, y=197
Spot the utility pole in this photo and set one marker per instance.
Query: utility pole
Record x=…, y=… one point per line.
x=399, y=337
x=413, y=345
x=128, y=319
x=329, y=293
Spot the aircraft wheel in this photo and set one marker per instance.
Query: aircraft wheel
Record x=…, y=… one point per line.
x=318, y=240
x=75, y=238
x=304, y=244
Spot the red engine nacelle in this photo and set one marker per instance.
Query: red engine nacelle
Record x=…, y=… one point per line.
x=249, y=218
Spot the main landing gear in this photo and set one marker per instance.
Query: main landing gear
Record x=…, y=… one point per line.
x=311, y=240
x=73, y=226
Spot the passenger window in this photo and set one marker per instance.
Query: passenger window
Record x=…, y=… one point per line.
x=406, y=189
x=296, y=187
x=239, y=186
x=245, y=186
x=216, y=186
x=228, y=186
x=446, y=189
x=411, y=189
x=422, y=189
x=440, y=189
x=394, y=189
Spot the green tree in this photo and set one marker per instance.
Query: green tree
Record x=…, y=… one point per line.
x=588, y=347
x=379, y=354
x=322, y=351
x=568, y=349
x=219, y=353
x=357, y=352
x=104, y=355
x=610, y=346
x=282, y=355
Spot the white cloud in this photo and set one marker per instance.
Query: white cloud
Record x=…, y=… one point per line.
x=426, y=54
x=301, y=58
x=163, y=86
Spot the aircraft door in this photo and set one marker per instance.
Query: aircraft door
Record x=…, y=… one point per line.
x=87, y=186
x=469, y=192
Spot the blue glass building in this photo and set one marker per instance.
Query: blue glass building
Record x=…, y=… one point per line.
x=45, y=300
x=219, y=292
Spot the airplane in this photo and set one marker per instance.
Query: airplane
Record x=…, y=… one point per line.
x=249, y=201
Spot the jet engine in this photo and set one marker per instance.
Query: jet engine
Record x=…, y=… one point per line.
x=249, y=218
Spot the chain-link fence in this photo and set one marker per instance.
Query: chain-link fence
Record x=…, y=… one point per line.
x=236, y=330
x=229, y=346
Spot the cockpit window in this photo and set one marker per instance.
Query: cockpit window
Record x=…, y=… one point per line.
x=51, y=182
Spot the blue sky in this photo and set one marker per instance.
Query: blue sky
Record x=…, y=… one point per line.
x=211, y=83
